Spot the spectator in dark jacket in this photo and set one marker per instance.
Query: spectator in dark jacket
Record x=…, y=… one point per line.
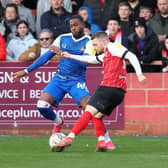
x=124, y=12
x=159, y=22
x=146, y=12
x=102, y=10
x=144, y=43
x=56, y=19
x=164, y=54
x=8, y=24
x=1, y=11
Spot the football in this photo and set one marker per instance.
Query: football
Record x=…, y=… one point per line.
x=56, y=138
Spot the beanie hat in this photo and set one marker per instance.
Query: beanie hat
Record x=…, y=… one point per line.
x=140, y=22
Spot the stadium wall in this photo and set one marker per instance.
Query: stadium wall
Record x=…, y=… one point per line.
x=146, y=107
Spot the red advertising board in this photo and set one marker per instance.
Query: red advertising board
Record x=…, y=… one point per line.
x=18, y=100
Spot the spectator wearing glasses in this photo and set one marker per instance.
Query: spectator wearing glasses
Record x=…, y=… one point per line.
x=21, y=42
x=45, y=40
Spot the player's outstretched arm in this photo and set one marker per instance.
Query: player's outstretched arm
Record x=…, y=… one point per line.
x=135, y=63
x=37, y=63
x=84, y=58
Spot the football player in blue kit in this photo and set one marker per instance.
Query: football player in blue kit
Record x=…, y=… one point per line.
x=70, y=74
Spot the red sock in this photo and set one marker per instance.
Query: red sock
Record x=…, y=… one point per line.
x=99, y=126
x=82, y=123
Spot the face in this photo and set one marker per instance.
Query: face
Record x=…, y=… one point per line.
x=84, y=14
x=10, y=13
x=45, y=39
x=166, y=43
x=22, y=30
x=56, y=4
x=145, y=13
x=163, y=6
x=124, y=12
x=17, y=2
x=140, y=31
x=87, y=31
x=76, y=27
x=98, y=46
x=113, y=27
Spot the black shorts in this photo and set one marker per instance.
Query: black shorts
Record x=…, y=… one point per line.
x=105, y=99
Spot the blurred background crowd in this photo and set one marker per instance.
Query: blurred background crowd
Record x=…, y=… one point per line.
x=28, y=27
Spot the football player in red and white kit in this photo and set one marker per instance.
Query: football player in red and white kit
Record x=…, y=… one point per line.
x=111, y=90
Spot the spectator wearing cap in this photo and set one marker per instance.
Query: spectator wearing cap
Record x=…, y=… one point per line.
x=164, y=54
x=144, y=43
x=45, y=39
x=114, y=31
x=159, y=22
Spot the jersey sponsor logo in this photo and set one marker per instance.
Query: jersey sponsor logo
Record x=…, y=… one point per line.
x=64, y=45
x=82, y=86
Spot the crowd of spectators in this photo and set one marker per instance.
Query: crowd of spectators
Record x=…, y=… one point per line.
x=28, y=28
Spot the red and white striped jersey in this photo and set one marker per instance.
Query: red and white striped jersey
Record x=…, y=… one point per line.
x=114, y=67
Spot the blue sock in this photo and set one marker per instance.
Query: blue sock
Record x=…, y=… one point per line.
x=48, y=113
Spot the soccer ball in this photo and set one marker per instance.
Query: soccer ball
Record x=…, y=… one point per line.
x=55, y=139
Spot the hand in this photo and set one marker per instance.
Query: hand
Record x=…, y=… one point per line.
x=18, y=75
x=55, y=49
x=142, y=79
x=31, y=55
x=65, y=55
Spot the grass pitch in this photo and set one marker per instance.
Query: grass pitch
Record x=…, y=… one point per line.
x=131, y=152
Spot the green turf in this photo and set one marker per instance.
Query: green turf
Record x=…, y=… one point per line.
x=131, y=152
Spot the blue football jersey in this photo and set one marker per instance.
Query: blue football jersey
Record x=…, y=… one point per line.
x=68, y=43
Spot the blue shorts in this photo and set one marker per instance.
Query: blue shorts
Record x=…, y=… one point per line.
x=59, y=86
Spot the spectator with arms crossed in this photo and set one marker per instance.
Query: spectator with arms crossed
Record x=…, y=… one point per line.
x=111, y=90
x=70, y=74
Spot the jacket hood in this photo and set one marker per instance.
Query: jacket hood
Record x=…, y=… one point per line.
x=90, y=15
x=27, y=37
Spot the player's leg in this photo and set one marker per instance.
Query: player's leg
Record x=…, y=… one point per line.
x=51, y=95
x=109, y=144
